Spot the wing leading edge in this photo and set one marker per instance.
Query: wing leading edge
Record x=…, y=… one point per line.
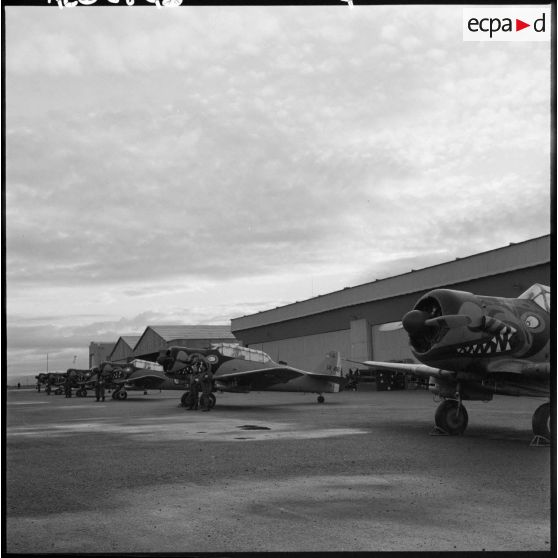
x=421, y=370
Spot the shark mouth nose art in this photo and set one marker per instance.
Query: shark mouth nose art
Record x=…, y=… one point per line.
x=500, y=343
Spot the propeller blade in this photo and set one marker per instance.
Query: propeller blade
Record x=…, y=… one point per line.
x=392, y=326
x=449, y=321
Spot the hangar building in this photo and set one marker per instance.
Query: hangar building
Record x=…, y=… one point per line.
x=349, y=320
x=98, y=352
x=155, y=338
x=124, y=348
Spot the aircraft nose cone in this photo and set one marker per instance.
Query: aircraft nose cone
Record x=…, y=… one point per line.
x=413, y=321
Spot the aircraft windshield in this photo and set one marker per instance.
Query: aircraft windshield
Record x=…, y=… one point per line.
x=236, y=351
x=540, y=294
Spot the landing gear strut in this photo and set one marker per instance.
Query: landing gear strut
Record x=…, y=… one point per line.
x=186, y=400
x=451, y=417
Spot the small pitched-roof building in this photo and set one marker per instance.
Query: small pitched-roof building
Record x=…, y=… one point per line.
x=158, y=337
x=99, y=351
x=124, y=348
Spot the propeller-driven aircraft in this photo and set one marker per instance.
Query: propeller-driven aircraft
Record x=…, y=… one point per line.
x=241, y=370
x=473, y=347
x=52, y=380
x=81, y=380
x=135, y=375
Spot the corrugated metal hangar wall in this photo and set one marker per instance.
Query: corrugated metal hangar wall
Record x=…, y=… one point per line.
x=349, y=320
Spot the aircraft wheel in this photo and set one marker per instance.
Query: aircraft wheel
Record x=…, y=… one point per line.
x=541, y=421
x=321, y=398
x=449, y=420
x=121, y=395
x=186, y=399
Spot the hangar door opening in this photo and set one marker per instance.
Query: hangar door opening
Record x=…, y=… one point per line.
x=308, y=351
x=390, y=345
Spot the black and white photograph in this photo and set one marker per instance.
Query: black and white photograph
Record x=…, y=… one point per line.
x=277, y=278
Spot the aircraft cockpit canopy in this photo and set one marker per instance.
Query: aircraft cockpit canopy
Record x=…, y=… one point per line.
x=539, y=294
x=236, y=351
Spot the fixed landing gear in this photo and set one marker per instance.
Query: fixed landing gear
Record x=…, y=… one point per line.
x=321, y=398
x=81, y=393
x=451, y=417
x=541, y=422
x=186, y=400
x=120, y=395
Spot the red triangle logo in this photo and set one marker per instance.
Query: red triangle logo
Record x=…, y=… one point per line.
x=519, y=25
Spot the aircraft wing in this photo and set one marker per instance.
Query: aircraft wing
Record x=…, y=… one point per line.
x=144, y=381
x=260, y=378
x=326, y=377
x=421, y=370
x=523, y=367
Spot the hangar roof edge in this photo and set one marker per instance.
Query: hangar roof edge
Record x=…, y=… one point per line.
x=535, y=251
x=171, y=332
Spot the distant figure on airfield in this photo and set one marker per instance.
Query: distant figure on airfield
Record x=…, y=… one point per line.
x=207, y=388
x=18, y=385
x=194, y=392
x=68, y=386
x=100, y=386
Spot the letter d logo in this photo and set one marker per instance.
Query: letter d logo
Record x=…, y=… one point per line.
x=540, y=24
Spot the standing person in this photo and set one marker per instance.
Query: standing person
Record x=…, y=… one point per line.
x=68, y=386
x=100, y=386
x=207, y=388
x=50, y=382
x=194, y=392
x=357, y=378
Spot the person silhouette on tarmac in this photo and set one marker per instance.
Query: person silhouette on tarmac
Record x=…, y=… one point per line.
x=207, y=388
x=100, y=386
x=194, y=392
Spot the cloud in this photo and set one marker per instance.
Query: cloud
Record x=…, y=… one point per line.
x=157, y=159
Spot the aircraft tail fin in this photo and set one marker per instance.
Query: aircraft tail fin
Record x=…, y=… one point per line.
x=330, y=369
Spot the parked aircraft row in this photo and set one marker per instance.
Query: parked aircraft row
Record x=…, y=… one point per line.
x=469, y=347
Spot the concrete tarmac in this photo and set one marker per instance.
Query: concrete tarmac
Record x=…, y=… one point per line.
x=271, y=471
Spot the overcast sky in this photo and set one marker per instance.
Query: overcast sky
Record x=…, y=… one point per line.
x=192, y=165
